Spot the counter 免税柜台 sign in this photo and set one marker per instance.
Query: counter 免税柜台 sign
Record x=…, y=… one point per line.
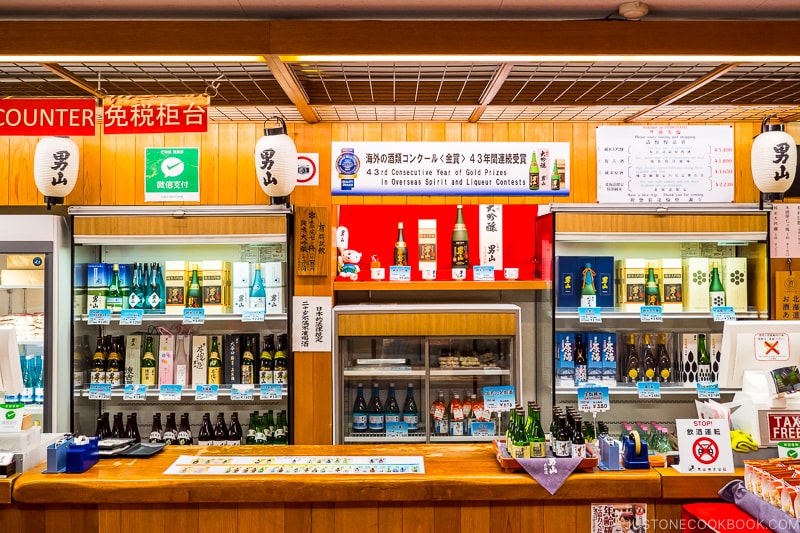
x=47, y=116
x=155, y=114
x=450, y=169
x=665, y=164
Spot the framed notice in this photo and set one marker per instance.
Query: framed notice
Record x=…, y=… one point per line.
x=664, y=164
x=311, y=242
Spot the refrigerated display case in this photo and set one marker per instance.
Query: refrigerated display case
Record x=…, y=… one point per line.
x=221, y=249
x=35, y=282
x=453, y=352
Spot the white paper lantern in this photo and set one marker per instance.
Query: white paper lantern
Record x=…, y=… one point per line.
x=55, y=168
x=773, y=160
x=276, y=163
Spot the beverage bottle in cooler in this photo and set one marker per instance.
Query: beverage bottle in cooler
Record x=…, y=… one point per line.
x=162, y=290
x=521, y=444
x=375, y=417
x=185, y=431
x=114, y=297
x=716, y=291
x=99, y=429
x=132, y=429
x=38, y=382
x=588, y=290
x=400, y=248
x=251, y=428
x=439, y=419
x=117, y=429
x=214, y=363
x=148, y=364
x=456, y=414
x=136, y=296
x=392, y=413
x=459, y=241
x=220, y=431
x=652, y=294
x=478, y=410
x=703, y=360
x=662, y=355
x=562, y=445
x=235, y=431
x=649, y=359
x=469, y=417
x=466, y=407
x=106, y=426
x=265, y=361
x=152, y=294
x=261, y=431
x=204, y=435
x=156, y=432
x=281, y=435
x=632, y=361
x=270, y=427
x=536, y=436
x=581, y=362
x=578, y=441
x=248, y=362
x=280, y=372
x=360, y=411
x=410, y=410
x=182, y=369
x=98, y=368
x=258, y=296
x=194, y=296
x=170, y=430
x=114, y=364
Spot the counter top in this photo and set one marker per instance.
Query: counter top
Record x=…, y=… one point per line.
x=6, y=484
x=675, y=485
x=452, y=473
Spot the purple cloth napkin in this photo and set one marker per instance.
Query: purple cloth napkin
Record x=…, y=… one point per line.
x=549, y=472
x=767, y=514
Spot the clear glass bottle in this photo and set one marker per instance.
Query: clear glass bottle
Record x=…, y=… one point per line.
x=455, y=412
x=258, y=296
x=181, y=362
x=440, y=422
x=588, y=289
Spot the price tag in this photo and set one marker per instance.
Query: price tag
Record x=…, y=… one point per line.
x=482, y=429
x=253, y=315
x=397, y=429
x=708, y=390
x=99, y=317
x=194, y=315
x=593, y=399
x=499, y=398
x=399, y=273
x=589, y=315
x=170, y=393
x=649, y=389
x=206, y=392
x=241, y=392
x=134, y=392
x=130, y=317
x=721, y=314
x=100, y=391
x=483, y=273
x=271, y=391
x=651, y=313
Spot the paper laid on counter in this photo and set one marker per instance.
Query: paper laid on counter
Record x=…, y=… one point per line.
x=288, y=465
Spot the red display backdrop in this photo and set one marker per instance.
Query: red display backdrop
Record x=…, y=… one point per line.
x=527, y=237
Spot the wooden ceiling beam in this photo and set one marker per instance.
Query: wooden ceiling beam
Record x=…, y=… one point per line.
x=491, y=90
x=680, y=93
x=292, y=87
x=63, y=73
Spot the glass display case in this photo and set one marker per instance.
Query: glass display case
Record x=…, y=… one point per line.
x=209, y=290
x=424, y=373
x=609, y=258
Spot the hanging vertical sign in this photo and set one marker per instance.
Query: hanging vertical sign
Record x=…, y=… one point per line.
x=311, y=324
x=491, y=235
x=156, y=114
x=172, y=174
x=664, y=164
x=784, y=235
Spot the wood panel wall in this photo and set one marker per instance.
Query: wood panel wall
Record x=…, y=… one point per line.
x=112, y=173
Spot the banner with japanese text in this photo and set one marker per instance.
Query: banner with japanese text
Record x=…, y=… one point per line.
x=155, y=114
x=450, y=169
x=665, y=164
x=48, y=116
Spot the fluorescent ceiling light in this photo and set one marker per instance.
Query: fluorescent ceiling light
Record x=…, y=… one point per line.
x=537, y=58
x=132, y=59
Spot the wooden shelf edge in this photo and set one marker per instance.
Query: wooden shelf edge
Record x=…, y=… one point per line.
x=440, y=285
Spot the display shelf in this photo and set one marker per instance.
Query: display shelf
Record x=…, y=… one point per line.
x=461, y=439
x=615, y=314
x=215, y=317
x=189, y=393
x=383, y=439
x=378, y=374
x=499, y=285
x=458, y=372
x=685, y=389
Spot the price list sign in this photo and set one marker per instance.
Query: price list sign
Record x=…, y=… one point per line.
x=665, y=164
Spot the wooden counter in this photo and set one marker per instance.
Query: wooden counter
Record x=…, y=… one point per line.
x=5, y=488
x=677, y=489
x=463, y=489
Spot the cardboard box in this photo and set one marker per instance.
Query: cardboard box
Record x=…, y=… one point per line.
x=569, y=271
x=272, y=273
x=134, y=349
x=670, y=284
x=232, y=353
x=25, y=262
x=241, y=300
x=274, y=300
x=166, y=354
x=689, y=358
x=733, y=272
x=201, y=344
x=594, y=355
x=241, y=275
x=696, y=273
x=631, y=274
x=610, y=350
x=176, y=280
x=22, y=277
x=96, y=298
x=568, y=288
x=426, y=247
x=80, y=301
x=97, y=275
x=715, y=352
x=565, y=364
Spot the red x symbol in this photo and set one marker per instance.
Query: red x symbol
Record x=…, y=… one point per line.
x=773, y=347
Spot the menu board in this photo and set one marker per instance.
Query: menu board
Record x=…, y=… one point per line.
x=665, y=164
x=283, y=465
